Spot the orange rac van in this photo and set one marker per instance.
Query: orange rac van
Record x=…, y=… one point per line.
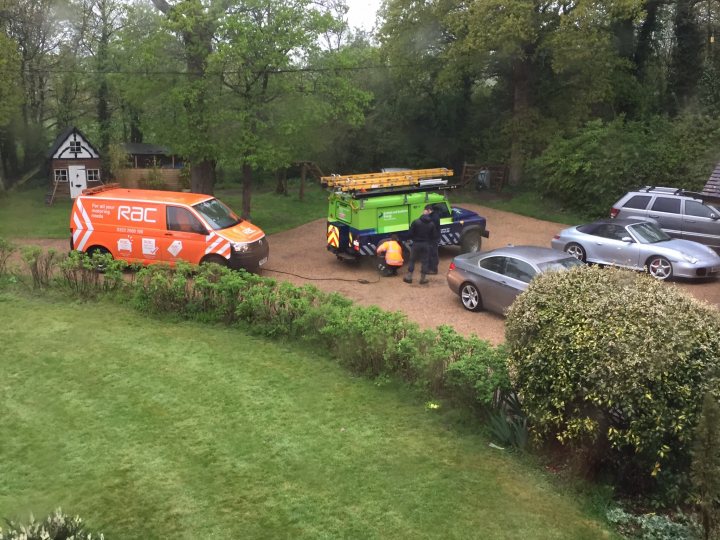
x=145, y=226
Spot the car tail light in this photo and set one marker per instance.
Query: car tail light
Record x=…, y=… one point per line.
x=452, y=266
x=556, y=237
x=614, y=212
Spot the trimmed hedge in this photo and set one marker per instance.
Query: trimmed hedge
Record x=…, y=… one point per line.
x=614, y=365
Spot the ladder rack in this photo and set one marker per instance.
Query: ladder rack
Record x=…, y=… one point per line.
x=384, y=180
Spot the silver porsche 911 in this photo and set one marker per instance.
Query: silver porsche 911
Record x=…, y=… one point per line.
x=640, y=245
x=492, y=279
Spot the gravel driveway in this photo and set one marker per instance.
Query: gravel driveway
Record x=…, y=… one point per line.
x=302, y=252
x=299, y=256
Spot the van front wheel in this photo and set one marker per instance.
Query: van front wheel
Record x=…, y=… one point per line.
x=215, y=259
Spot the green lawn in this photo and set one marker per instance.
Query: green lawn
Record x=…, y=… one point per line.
x=24, y=214
x=152, y=429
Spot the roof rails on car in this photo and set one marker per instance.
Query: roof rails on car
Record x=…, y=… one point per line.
x=672, y=190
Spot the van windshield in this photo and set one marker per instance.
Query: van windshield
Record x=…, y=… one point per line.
x=217, y=214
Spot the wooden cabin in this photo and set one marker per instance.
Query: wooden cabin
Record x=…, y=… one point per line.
x=74, y=165
x=150, y=166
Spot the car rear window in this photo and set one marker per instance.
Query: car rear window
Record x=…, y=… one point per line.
x=638, y=202
x=666, y=204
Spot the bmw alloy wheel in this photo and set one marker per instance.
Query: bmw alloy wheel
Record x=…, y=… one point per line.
x=470, y=297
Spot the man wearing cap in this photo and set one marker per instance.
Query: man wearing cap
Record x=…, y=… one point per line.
x=422, y=234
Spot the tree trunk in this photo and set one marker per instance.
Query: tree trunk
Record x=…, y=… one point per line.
x=281, y=186
x=202, y=177
x=247, y=190
x=519, y=118
x=303, y=174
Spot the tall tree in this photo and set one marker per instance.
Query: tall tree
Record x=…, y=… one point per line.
x=10, y=98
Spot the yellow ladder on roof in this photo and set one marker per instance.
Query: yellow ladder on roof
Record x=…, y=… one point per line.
x=383, y=180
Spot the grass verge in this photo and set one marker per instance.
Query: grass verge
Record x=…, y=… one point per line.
x=156, y=430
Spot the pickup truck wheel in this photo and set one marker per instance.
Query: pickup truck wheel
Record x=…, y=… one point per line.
x=471, y=242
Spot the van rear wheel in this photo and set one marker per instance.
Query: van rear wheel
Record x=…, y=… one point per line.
x=99, y=251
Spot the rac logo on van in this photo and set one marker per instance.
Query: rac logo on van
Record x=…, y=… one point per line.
x=136, y=213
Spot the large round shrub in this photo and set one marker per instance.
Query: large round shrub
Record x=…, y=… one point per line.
x=614, y=366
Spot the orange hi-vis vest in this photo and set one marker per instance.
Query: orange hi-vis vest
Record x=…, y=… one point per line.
x=393, y=257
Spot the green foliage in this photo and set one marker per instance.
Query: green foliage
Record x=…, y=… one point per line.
x=7, y=248
x=153, y=179
x=507, y=423
x=653, y=526
x=56, y=526
x=40, y=263
x=88, y=277
x=611, y=365
x=706, y=465
x=590, y=170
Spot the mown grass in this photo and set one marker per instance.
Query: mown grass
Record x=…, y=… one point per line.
x=152, y=429
x=24, y=214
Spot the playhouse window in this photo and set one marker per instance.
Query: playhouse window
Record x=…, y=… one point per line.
x=93, y=175
x=61, y=175
x=75, y=147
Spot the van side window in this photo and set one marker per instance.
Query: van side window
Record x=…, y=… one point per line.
x=666, y=204
x=181, y=219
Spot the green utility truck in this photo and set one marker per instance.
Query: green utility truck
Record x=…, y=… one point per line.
x=365, y=209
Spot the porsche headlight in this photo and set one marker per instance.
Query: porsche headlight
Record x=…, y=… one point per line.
x=241, y=247
x=688, y=258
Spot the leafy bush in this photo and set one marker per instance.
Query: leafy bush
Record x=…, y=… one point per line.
x=591, y=169
x=613, y=365
x=41, y=264
x=7, y=248
x=653, y=526
x=81, y=274
x=56, y=526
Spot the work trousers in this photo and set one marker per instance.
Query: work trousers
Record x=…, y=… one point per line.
x=419, y=252
x=433, y=258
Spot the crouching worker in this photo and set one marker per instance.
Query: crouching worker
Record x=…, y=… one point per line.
x=393, y=256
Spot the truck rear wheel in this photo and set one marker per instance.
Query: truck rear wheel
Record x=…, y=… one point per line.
x=471, y=241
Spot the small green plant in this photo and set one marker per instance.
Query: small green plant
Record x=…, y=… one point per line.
x=40, y=263
x=7, y=248
x=507, y=422
x=153, y=180
x=89, y=276
x=56, y=526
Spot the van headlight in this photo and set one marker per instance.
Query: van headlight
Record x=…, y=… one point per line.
x=241, y=247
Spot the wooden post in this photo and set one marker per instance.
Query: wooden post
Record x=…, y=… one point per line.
x=303, y=172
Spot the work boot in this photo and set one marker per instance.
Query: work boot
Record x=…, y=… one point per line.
x=423, y=279
x=408, y=278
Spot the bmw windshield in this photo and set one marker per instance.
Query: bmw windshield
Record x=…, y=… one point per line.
x=648, y=233
x=217, y=214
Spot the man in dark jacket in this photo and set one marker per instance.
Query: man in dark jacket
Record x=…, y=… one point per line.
x=422, y=234
x=433, y=257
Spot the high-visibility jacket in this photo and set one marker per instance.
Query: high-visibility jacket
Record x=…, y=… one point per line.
x=393, y=253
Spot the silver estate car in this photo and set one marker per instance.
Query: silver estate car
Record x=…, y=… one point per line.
x=492, y=279
x=640, y=245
